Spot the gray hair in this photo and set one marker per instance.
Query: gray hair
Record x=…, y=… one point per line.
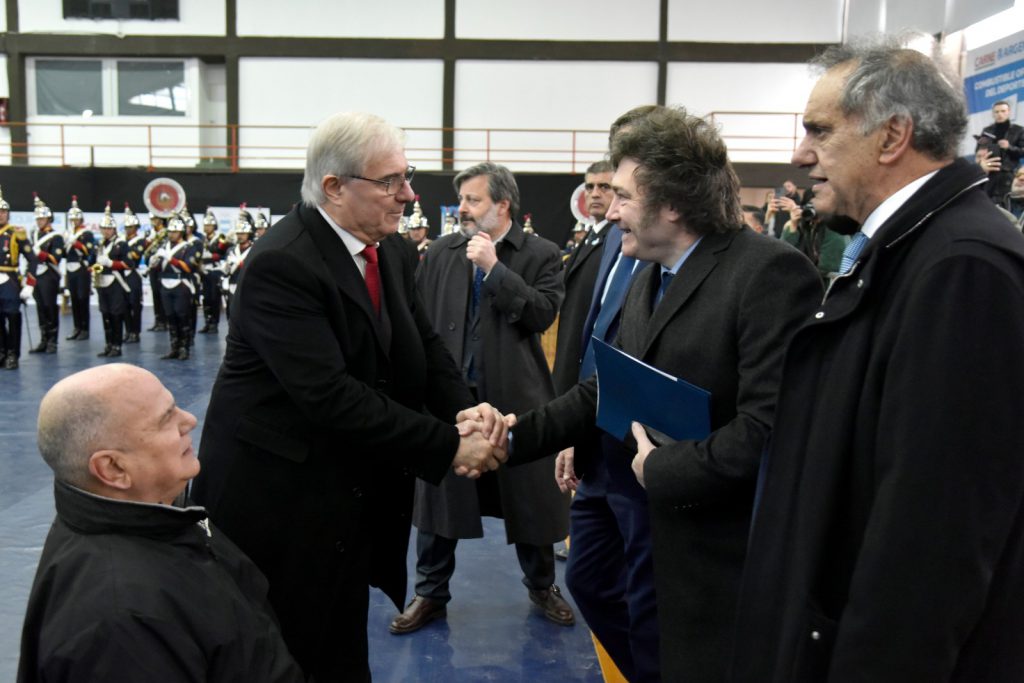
x=344, y=144
x=889, y=80
x=70, y=426
x=603, y=166
x=501, y=184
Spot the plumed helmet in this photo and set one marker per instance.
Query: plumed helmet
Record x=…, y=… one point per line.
x=4, y=206
x=108, y=219
x=209, y=218
x=75, y=213
x=130, y=219
x=41, y=209
x=243, y=223
x=261, y=222
x=176, y=223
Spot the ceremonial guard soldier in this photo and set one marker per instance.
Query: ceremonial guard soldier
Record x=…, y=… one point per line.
x=137, y=244
x=13, y=245
x=49, y=248
x=111, y=287
x=158, y=236
x=214, y=258
x=418, y=235
x=81, y=254
x=236, y=257
x=178, y=263
x=261, y=224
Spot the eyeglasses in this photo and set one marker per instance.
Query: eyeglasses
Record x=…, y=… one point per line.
x=393, y=183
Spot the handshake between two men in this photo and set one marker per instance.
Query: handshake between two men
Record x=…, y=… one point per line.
x=483, y=443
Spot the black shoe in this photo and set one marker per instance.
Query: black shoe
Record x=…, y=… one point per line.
x=132, y=338
x=555, y=607
x=114, y=352
x=11, y=361
x=39, y=349
x=157, y=327
x=105, y=352
x=183, y=353
x=51, y=345
x=74, y=335
x=83, y=335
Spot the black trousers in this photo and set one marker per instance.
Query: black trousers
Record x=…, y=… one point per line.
x=79, y=285
x=46, y=292
x=113, y=307
x=212, y=296
x=179, y=309
x=158, y=302
x=133, y=319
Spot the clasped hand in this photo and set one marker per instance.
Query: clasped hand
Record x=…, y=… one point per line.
x=483, y=442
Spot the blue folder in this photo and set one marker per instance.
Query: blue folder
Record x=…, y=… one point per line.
x=629, y=390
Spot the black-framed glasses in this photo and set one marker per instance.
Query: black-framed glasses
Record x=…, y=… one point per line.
x=393, y=183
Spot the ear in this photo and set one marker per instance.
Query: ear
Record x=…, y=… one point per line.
x=108, y=468
x=896, y=135
x=505, y=208
x=671, y=214
x=333, y=187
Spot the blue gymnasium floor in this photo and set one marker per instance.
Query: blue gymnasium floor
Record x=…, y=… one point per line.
x=492, y=632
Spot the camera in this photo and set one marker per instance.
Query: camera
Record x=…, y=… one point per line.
x=808, y=212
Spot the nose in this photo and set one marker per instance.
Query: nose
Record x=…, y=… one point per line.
x=803, y=155
x=189, y=421
x=405, y=194
x=613, y=210
x=462, y=206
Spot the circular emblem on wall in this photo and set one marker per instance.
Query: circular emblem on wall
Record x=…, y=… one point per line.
x=578, y=205
x=164, y=197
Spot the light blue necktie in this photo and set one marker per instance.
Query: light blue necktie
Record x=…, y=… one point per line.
x=852, y=251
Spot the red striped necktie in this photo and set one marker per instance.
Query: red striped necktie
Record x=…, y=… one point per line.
x=372, y=276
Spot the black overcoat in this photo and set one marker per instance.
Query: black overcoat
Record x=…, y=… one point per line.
x=723, y=324
x=317, y=425
x=889, y=542
x=519, y=301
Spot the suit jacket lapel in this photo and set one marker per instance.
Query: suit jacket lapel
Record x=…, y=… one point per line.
x=342, y=268
x=695, y=269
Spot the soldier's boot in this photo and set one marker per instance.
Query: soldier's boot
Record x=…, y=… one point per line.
x=44, y=341
x=74, y=335
x=51, y=340
x=173, y=352
x=13, y=341
x=185, y=348
x=114, y=351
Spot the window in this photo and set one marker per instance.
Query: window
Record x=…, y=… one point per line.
x=120, y=9
x=151, y=88
x=110, y=87
x=66, y=87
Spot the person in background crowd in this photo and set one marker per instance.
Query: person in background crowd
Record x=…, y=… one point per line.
x=49, y=248
x=137, y=244
x=112, y=261
x=81, y=255
x=14, y=245
x=999, y=150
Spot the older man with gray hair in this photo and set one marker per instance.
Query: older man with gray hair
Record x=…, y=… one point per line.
x=889, y=540
x=318, y=422
x=134, y=583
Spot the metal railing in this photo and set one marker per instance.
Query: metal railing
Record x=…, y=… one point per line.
x=755, y=136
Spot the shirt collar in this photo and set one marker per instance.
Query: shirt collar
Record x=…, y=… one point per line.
x=892, y=204
x=352, y=243
x=686, y=254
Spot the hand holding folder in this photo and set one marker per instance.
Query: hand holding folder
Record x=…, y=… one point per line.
x=628, y=390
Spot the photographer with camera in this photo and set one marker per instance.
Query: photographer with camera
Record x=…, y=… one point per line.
x=778, y=204
x=809, y=231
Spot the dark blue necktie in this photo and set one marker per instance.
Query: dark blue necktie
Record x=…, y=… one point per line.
x=478, y=283
x=666, y=280
x=605, y=324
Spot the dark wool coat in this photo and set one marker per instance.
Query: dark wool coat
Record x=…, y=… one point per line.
x=889, y=541
x=578, y=278
x=317, y=427
x=723, y=324
x=519, y=301
x=129, y=592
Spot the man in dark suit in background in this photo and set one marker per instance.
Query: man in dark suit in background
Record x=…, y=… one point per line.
x=716, y=307
x=491, y=290
x=316, y=427
x=579, y=276
x=1000, y=148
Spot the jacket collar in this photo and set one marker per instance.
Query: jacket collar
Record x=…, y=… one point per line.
x=88, y=513
x=697, y=267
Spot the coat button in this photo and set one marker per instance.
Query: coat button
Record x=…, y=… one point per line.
x=815, y=635
x=339, y=546
x=860, y=283
x=451, y=327
x=819, y=315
